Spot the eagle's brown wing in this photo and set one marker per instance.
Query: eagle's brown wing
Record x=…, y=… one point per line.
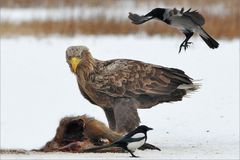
x=133, y=84
x=134, y=79
x=195, y=17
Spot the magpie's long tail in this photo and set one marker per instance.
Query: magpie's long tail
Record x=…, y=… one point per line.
x=94, y=149
x=208, y=39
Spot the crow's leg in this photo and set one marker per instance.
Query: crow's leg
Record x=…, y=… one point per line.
x=185, y=43
x=188, y=36
x=180, y=48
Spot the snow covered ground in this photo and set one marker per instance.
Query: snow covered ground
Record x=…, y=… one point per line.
x=38, y=89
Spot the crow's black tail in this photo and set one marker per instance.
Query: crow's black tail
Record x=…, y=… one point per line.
x=208, y=39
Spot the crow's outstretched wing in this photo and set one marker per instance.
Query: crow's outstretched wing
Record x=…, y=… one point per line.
x=195, y=17
x=137, y=19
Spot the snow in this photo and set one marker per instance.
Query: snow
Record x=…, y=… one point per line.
x=38, y=89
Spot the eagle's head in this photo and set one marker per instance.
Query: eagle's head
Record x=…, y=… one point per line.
x=79, y=57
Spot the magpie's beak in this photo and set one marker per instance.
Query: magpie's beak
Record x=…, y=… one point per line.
x=150, y=128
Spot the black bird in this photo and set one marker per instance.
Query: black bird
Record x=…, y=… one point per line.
x=188, y=22
x=130, y=142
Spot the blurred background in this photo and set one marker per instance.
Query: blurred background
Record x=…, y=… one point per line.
x=70, y=17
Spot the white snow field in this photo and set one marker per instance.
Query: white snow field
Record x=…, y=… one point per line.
x=38, y=89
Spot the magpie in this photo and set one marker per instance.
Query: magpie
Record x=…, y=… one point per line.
x=130, y=142
x=188, y=22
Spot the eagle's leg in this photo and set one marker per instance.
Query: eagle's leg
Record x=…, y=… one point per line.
x=185, y=43
x=110, y=117
x=126, y=116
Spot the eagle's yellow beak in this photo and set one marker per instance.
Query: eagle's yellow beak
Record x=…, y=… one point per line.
x=74, y=61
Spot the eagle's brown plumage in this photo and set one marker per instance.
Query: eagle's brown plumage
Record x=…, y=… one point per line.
x=120, y=86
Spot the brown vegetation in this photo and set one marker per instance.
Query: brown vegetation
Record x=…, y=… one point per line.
x=53, y=3
x=107, y=3
x=218, y=26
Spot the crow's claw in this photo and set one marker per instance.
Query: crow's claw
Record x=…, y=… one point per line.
x=185, y=45
x=180, y=48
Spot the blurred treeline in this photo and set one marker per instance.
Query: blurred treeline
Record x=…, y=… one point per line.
x=221, y=24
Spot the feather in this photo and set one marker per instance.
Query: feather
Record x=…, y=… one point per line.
x=137, y=19
x=195, y=17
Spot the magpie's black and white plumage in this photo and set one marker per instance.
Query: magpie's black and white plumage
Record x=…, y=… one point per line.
x=188, y=22
x=130, y=142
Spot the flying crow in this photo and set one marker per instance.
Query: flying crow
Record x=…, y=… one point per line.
x=188, y=22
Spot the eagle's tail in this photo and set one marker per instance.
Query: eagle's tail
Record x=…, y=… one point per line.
x=184, y=85
x=190, y=87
